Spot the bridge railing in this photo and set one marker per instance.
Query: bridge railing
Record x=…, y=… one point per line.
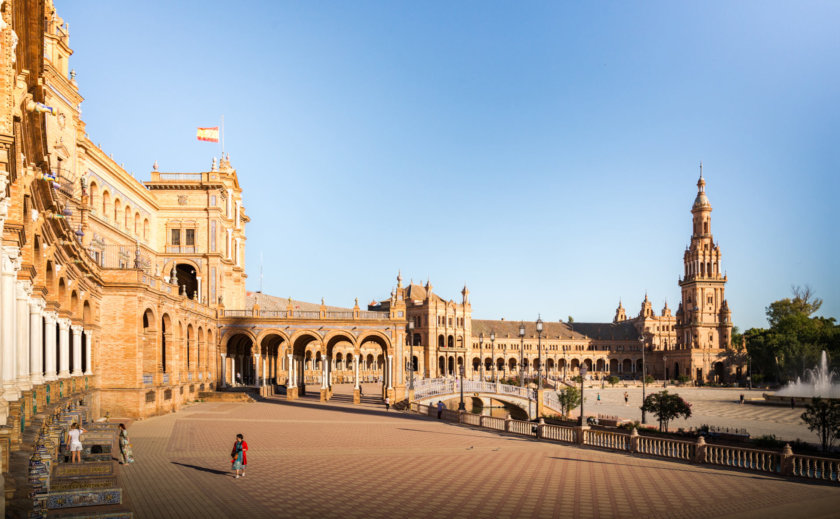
x=783, y=463
x=440, y=386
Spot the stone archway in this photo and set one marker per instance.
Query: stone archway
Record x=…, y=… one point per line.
x=239, y=369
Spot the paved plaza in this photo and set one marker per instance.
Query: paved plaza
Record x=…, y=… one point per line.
x=710, y=406
x=312, y=459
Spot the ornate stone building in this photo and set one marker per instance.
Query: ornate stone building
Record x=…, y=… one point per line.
x=135, y=291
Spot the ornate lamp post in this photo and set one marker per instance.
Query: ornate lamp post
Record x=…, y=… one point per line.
x=749, y=373
x=461, y=406
x=410, y=326
x=644, y=375
x=521, y=348
x=565, y=360
x=481, y=354
x=493, y=352
x=539, y=350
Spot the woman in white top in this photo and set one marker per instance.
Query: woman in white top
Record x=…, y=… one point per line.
x=75, y=436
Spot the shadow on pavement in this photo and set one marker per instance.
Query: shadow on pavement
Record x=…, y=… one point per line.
x=734, y=471
x=203, y=469
x=314, y=402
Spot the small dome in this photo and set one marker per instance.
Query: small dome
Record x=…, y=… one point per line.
x=701, y=201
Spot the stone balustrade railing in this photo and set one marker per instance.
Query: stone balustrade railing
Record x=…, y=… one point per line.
x=347, y=315
x=783, y=463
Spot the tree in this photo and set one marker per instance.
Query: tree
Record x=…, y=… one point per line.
x=795, y=338
x=569, y=399
x=613, y=380
x=571, y=319
x=823, y=417
x=666, y=406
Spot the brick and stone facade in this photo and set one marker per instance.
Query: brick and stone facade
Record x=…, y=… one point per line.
x=136, y=290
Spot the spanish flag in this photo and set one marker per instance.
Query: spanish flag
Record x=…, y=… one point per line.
x=208, y=134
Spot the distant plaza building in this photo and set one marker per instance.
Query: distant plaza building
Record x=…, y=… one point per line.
x=134, y=292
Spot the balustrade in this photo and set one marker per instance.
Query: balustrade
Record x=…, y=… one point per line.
x=811, y=467
x=606, y=439
x=521, y=427
x=559, y=433
x=665, y=448
x=738, y=457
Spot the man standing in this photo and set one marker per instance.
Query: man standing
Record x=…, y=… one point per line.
x=440, y=409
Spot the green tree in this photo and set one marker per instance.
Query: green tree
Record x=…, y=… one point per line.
x=569, y=399
x=666, y=406
x=571, y=319
x=823, y=417
x=613, y=380
x=795, y=338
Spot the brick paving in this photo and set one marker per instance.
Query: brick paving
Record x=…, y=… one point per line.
x=309, y=459
x=711, y=406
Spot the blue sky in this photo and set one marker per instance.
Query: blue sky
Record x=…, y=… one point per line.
x=544, y=153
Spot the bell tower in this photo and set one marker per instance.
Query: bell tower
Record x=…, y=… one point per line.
x=704, y=320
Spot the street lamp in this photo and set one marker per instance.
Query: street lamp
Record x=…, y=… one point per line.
x=521, y=348
x=539, y=349
x=411, y=354
x=565, y=360
x=644, y=376
x=493, y=352
x=461, y=406
x=481, y=354
x=749, y=373
x=521, y=364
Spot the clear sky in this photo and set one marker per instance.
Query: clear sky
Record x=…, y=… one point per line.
x=545, y=153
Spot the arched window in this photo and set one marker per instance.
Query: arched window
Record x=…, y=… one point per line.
x=106, y=201
x=117, y=210
x=94, y=192
x=137, y=224
x=146, y=229
x=127, y=218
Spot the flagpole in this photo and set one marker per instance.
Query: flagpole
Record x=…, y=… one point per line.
x=223, y=136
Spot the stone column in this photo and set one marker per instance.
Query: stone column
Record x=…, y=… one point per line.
x=264, y=367
x=257, y=370
x=36, y=338
x=24, y=291
x=224, y=370
x=77, y=350
x=52, y=347
x=10, y=264
x=390, y=367
x=356, y=370
x=291, y=382
x=63, y=348
x=88, y=353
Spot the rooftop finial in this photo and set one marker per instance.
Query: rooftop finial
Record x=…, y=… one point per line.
x=701, y=184
x=155, y=166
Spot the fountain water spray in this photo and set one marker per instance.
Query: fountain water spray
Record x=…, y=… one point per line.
x=818, y=382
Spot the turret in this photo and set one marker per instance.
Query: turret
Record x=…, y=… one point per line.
x=620, y=314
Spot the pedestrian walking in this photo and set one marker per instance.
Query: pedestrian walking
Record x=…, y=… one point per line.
x=626, y=398
x=387, y=404
x=742, y=399
x=239, y=457
x=125, y=447
x=75, y=437
x=792, y=402
x=440, y=409
x=599, y=398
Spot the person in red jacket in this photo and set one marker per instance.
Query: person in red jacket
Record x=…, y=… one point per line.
x=240, y=458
